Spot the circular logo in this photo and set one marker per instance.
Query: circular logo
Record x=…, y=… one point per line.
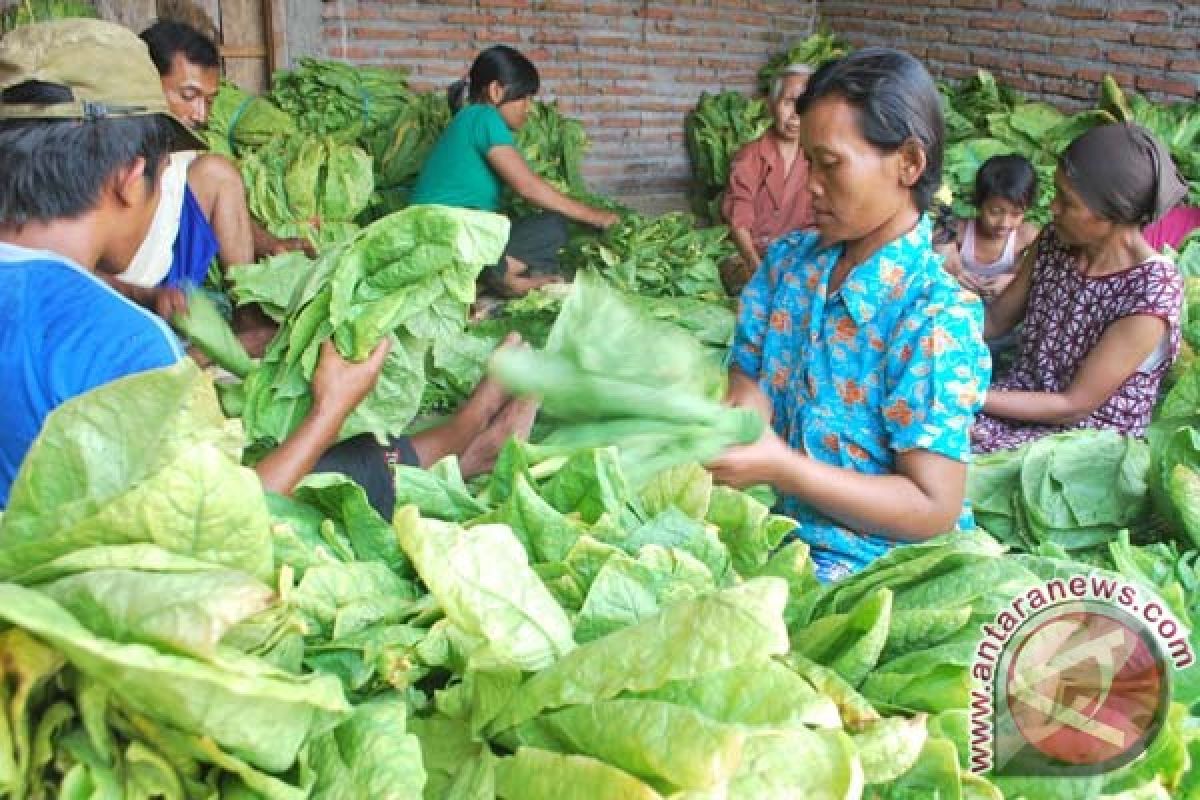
x=1086, y=687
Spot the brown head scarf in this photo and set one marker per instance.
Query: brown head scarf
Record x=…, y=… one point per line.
x=1124, y=173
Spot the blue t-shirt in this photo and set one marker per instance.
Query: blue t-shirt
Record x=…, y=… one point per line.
x=63, y=332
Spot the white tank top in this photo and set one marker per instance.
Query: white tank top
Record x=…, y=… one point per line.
x=1003, y=265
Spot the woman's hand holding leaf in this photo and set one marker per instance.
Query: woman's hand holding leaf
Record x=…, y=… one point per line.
x=752, y=464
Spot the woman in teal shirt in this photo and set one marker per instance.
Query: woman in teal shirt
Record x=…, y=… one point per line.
x=477, y=156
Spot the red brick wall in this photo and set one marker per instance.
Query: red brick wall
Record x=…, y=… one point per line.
x=1050, y=49
x=630, y=69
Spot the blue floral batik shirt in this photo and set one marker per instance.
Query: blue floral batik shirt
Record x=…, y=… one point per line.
x=894, y=360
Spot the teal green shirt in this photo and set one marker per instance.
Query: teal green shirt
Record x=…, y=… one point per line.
x=457, y=172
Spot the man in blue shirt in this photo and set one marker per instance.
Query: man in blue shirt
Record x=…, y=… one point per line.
x=84, y=135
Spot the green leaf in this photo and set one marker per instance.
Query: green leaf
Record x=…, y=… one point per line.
x=765, y=694
x=666, y=745
x=258, y=713
x=481, y=578
x=145, y=459
x=369, y=755
x=534, y=774
x=182, y=613
x=686, y=640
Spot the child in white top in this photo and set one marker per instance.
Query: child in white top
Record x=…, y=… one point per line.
x=991, y=242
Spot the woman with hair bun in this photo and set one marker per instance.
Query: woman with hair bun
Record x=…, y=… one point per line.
x=863, y=352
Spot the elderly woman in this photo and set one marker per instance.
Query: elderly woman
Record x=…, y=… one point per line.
x=767, y=194
x=1100, y=306
x=867, y=357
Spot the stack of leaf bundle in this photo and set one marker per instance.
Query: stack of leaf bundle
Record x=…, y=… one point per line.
x=25, y=12
x=351, y=102
x=1174, y=475
x=557, y=632
x=532, y=316
x=241, y=122
x=665, y=256
x=612, y=375
x=309, y=186
x=553, y=146
x=720, y=126
x=822, y=46
x=599, y=641
x=905, y=632
x=400, y=149
x=140, y=649
x=1068, y=493
x=985, y=119
x=409, y=276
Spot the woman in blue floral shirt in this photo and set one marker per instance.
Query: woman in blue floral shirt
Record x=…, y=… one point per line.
x=865, y=354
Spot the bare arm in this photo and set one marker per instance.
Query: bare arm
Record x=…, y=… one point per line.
x=511, y=167
x=1008, y=308
x=1121, y=350
x=743, y=392
x=338, y=387
x=744, y=242
x=921, y=499
x=218, y=187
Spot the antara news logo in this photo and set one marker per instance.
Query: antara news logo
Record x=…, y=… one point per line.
x=1073, y=677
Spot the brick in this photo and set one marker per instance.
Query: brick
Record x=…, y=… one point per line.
x=1111, y=34
x=994, y=23
x=1179, y=40
x=1171, y=86
x=502, y=3
x=554, y=37
x=654, y=13
x=1139, y=58
x=1148, y=16
x=991, y=60
x=1052, y=68
x=446, y=35
x=351, y=52
x=473, y=19
x=1185, y=65
x=1078, y=12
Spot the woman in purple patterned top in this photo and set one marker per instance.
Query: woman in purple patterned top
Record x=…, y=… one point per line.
x=1100, y=307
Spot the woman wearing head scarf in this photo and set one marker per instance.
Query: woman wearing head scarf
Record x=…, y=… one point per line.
x=1100, y=306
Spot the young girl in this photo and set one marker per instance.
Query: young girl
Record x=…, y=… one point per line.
x=863, y=352
x=990, y=244
x=477, y=156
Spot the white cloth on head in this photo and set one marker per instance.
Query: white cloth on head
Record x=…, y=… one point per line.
x=153, y=260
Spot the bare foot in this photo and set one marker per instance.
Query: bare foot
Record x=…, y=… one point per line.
x=515, y=419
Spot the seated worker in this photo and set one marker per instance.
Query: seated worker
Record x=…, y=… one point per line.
x=990, y=242
x=865, y=355
x=83, y=119
x=477, y=156
x=1100, y=307
x=203, y=213
x=767, y=195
